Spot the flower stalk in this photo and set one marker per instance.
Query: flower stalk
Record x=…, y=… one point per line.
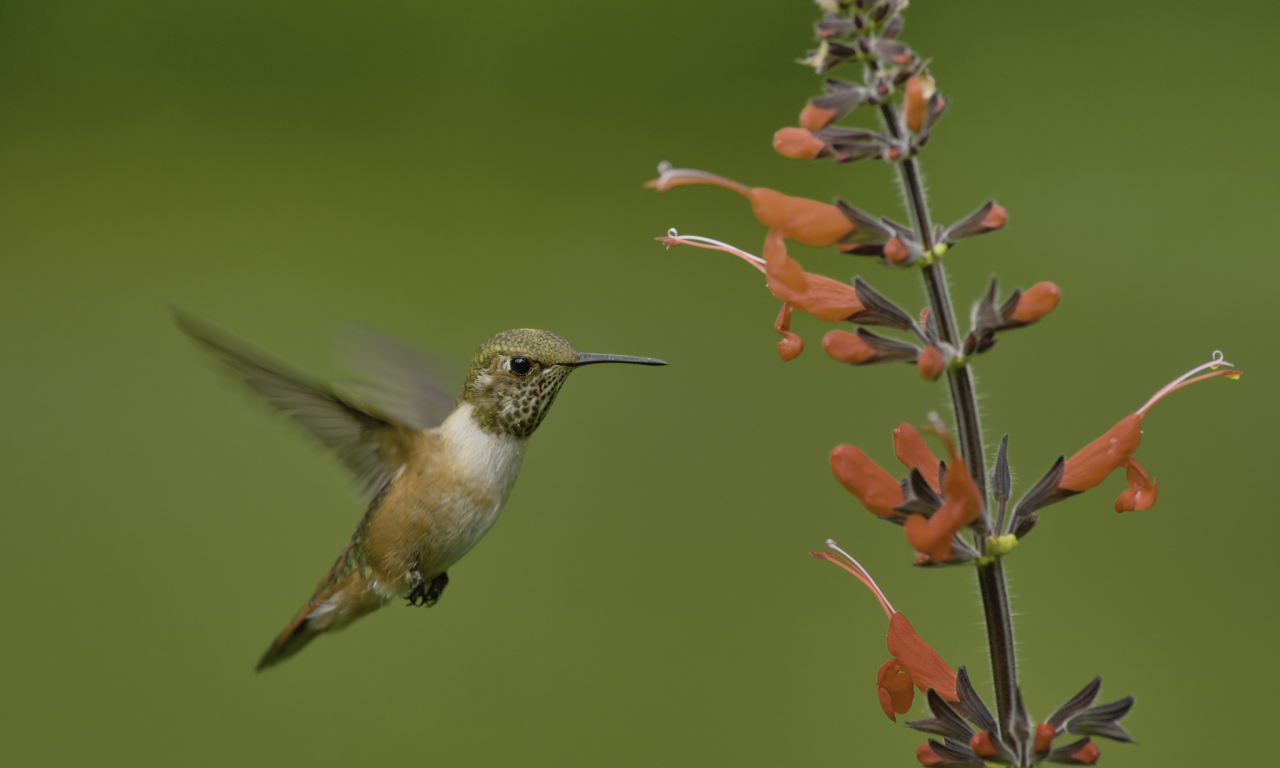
x=940, y=499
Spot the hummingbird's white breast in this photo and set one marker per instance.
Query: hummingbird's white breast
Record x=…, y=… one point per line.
x=489, y=463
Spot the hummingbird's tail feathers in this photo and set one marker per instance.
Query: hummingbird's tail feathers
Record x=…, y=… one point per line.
x=344, y=596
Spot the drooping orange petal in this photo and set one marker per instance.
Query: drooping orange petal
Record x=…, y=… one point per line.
x=805, y=221
x=797, y=143
x=930, y=363
x=1095, y=461
x=926, y=667
x=982, y=745
x=926, y=755
x=911, y=450
x=931, y=536
x=791, y=345
x=820, y=296
x=1088, y=754
x=862, y=477
x=785, y=277
x=815, y=118
x=1045, y=734
x=895, y=688
x=1036, y=302
x=846, y=347
x=1141, y=493
x=963, y=505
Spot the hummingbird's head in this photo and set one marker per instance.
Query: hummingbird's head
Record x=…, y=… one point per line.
x=515, y=376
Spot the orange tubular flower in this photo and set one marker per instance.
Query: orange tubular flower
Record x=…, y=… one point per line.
x=1091, y=465
x=820, y=296
x=807, y=222
x=911, y=450
x=862, y=477
x=913, y=662
x=1036, y=302
x=798, y=144
x=963, y=505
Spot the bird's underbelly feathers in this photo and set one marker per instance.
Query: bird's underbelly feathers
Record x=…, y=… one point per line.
x=439, y=508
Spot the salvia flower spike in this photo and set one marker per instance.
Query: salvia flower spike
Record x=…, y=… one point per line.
x=953, y=512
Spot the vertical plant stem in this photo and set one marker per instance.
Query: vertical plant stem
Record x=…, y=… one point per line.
x=995, y=596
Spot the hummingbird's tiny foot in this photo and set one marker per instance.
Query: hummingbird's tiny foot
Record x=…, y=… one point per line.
x=416, y=594
x=436, y=588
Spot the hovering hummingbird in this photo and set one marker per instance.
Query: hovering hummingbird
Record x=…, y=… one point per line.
x=436, y=474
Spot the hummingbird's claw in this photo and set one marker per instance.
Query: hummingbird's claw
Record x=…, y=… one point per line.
x=425, y=594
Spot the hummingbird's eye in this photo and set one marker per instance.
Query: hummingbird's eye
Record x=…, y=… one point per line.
x=520, y=366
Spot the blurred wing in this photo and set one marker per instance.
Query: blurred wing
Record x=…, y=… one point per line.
x=372, y=447
x=399, y=380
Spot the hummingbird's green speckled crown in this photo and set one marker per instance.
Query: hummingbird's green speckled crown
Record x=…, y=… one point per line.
x=516, y=375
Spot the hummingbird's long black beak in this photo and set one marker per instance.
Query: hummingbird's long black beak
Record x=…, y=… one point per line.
x=587, y=358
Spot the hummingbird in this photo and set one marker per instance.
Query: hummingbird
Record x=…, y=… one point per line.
x=435, y=473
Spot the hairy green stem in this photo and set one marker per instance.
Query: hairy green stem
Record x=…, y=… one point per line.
x=995, y=595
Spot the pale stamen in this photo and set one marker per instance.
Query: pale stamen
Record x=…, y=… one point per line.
x=669, y=177
x=1187, y=380
x=862, y=575
x=674, y=238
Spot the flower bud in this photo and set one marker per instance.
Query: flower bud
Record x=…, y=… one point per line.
x=1036, y=302
x=915, y=105
x=895, y=251
x=926, y=756
x=982, y=745
x=799, y=144
x=847, y=347
x=1086, y=755
x=1045, y=734
x=930, y=363
x=814, y=118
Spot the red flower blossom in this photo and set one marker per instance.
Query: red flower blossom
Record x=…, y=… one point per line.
x=807, y=222
x=911, y=450
x=1091, y=464
x=895, y=688
x=913, y=662
x=962, y=506
x=820, y=296
x=862, y=477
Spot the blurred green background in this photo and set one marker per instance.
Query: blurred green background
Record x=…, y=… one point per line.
x=448, y=170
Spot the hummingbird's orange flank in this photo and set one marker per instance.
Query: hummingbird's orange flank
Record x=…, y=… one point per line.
x=436, y=473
